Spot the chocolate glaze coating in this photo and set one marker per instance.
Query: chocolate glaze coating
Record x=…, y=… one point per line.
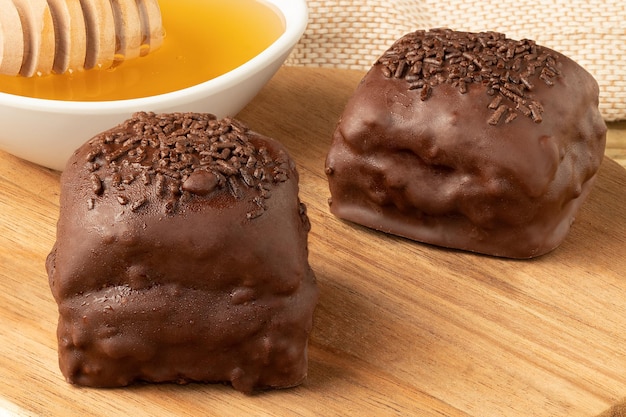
x=496, y=160
x=181, y=256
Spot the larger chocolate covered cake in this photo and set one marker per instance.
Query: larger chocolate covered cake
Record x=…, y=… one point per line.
x=181, y=256
x=471, y=141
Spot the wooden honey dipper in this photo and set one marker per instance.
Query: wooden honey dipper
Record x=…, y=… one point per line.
x=39, y=37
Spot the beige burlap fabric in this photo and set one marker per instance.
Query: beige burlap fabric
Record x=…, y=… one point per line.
x=353, y=33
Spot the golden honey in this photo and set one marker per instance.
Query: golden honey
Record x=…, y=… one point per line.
x=203, y=39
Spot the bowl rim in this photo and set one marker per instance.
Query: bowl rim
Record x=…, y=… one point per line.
x=294, y=14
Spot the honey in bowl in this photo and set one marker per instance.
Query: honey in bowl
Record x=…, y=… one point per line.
x=203, y=39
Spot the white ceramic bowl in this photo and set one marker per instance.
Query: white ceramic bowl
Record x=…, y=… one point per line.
x=47, y=132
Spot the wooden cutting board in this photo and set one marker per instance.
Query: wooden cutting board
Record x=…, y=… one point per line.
x=402, y=328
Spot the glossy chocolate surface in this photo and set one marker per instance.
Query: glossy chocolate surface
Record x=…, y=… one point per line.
x=462, y=160
x=181, y=256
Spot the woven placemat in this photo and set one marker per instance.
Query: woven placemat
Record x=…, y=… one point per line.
x=352, y=34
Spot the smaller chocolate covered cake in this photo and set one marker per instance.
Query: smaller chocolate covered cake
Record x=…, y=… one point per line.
x=181, y=256
x=470, y=141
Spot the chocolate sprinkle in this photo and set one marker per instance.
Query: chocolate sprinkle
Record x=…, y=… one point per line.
x=182, y=155
x=506, y=68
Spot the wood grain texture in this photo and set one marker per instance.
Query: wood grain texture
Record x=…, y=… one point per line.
x=616, y=142
x=402, y=328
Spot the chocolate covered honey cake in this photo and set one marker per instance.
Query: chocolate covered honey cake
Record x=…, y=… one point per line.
x=468, y=140
x=181, y=256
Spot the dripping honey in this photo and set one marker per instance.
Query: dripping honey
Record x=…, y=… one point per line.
x=203, y=39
